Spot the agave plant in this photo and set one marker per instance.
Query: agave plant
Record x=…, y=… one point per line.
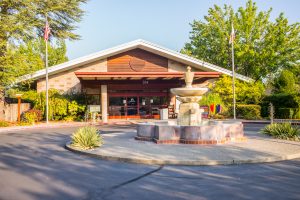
x=86, y=137
x=282, y=131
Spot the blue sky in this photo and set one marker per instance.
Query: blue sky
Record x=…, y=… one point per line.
x=165, y=22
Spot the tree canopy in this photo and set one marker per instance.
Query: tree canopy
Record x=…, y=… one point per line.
x=246, y=93
x=286, y=82
x=30, y=57
x=24, y=20
x=262, y=47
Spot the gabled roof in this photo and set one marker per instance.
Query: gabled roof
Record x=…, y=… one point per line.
x=142, y=44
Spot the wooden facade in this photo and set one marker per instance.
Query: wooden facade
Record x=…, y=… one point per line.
x=138, y=84
x=137, y=60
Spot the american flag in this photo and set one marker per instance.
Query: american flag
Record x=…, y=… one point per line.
x=232, y=35
x=47, y=31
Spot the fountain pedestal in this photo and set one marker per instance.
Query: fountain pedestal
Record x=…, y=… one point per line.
x=189, y=114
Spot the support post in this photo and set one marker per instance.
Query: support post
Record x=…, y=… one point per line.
x=19, y=109
x=104, y=103
x=172, y=99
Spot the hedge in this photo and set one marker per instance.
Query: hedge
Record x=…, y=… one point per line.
x=282, y=100
x=250, y=111
x=286, y=106
x=288, y=113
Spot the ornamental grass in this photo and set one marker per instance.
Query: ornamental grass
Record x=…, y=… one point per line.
x=87, y=137
x=282, y=131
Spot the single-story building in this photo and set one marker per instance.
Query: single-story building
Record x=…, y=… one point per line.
x=132, y=80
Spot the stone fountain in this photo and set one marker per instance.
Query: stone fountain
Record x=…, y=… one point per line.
x=190, y=128
x=189, y=110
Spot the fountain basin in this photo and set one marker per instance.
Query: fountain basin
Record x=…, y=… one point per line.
x=189, y=99
x=184, y=92
x=209, y=132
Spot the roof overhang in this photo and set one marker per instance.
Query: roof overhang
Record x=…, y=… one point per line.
x=142, y=44
x=142, y=75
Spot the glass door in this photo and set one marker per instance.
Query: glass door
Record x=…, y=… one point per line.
x=132, y=106
x=150, y=106
x=144, y=109
x=117, y=107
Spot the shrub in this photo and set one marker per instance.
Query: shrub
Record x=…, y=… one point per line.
x=86, y=137
x=4, y=124
x=74, y=108
x=29, y=117
x=218, y=116
x=32, y=116
x=69, y=118
x=250, y=111
x=60, y=105
x=38, y=114
x=282, y=131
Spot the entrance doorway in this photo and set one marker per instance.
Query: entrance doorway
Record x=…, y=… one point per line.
x=138, y=106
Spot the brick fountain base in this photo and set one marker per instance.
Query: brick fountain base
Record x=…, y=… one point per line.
x=211, y=132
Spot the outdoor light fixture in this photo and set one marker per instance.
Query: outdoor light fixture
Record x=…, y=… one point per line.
x=151, y=100
x=143, y=102
x=124, y=101
x=145, y=82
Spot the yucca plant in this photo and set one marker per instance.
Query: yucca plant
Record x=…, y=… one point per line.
x=282, y=131
x=86, y=137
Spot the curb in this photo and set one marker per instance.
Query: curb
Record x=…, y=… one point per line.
x=183, y=162
x=60, y=125
x=18, y=128
x=268, y=122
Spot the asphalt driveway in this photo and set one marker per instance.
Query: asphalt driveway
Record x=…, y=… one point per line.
x=35, y=165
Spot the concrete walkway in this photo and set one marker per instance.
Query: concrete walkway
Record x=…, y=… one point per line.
x=120, y=145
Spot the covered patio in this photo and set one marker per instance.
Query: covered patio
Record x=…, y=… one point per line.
x=135, y=95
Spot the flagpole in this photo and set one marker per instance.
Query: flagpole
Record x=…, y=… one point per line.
x=46, y=61
x=233, y=73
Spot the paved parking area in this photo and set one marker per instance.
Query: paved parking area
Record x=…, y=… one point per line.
x=35, y=165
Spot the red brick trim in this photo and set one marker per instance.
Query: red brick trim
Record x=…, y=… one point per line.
x=199, y=142
x=143, y=138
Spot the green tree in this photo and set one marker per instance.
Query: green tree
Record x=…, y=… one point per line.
x=31, y=56
x=23, y=20
x=286, y=83
x=261, y=46
x=246, y=93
